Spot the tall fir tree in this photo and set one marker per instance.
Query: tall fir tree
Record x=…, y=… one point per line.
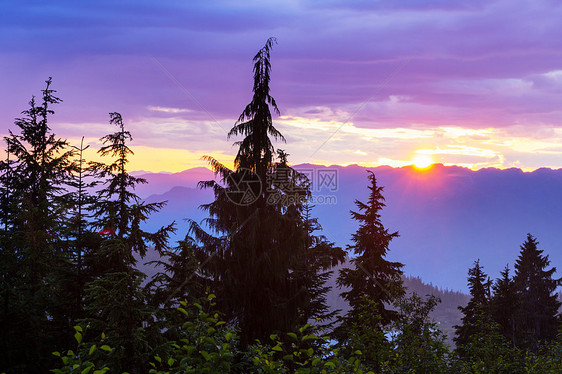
x=371, y=275
x=259, y=239
x=476, y=314
x=536, y=315
x=35, y=183
x=116, y=303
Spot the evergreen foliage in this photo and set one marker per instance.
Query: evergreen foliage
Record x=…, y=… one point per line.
x=536, y=315
x=34, y=176
x=504, y=303
x=476, y=314
x=115, y=301
x=372, y=276
x=258, y=262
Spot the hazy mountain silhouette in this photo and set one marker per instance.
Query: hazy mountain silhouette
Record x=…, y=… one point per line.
x=159, y=183
x=447, y=216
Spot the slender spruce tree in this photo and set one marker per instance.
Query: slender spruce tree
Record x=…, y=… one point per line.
x=116, y=303
x=371, y=275
x=476, y=314
x=536, y=315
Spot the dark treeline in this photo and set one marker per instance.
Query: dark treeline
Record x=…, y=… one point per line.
x=244, y=291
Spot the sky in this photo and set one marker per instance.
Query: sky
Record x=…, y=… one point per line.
x=470, y=83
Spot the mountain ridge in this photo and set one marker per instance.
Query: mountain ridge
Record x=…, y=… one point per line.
x=447, y=216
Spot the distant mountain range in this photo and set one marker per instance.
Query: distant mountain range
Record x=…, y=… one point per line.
x=447, y=216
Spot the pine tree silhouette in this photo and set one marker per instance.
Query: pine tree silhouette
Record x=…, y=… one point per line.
x=34, y=178
x=116, y=304
x=504, y=304
x=371, y=276
x=536, y=315
x=256, y=260
x=476, y=314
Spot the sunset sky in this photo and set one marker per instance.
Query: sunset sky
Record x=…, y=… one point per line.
x=471, y=83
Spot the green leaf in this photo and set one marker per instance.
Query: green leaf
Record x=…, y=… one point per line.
x=310, y=352
x=292, y=335
x=78, y=328
x=106, y=348
x=330, y=365
x=157, y=358
x=183, y=311
x=358, y=352
x=56, y=354
x=87, y=370
x=205, y=355
x=78, y=337
x=171, y=361
x=211, y=297
x=288, y=358
x=277, y=348
x=302, y=329
x=184, y=303
x=102, y=335
x=310, y=336
x=92, y=349
x=228, y=336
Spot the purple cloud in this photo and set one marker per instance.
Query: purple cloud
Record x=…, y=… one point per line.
x=469, y=64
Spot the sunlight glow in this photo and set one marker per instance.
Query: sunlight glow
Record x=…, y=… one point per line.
x=422, y=161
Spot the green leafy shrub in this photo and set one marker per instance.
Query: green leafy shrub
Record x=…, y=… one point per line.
x=84, y=359
x=205, y=345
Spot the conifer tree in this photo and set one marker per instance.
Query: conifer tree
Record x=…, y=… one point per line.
x=504, y=304
x=116, y=304
x=536, y=318
x=179, y=279
x=78, y=239
x=34, y=182
x=371, y=275
x=476, y=314
x=256, y=258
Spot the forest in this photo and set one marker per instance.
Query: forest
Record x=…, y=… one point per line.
x=245, y=290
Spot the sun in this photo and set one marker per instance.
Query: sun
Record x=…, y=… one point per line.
x=422, y=161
